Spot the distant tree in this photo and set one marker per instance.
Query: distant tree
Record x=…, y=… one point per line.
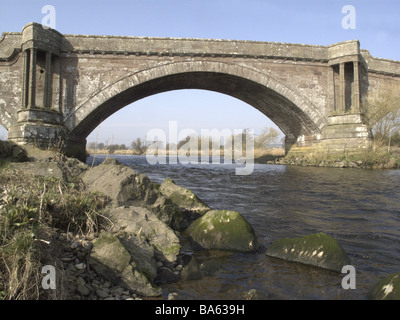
x=122, y=147
x=100, y=146
x=267, y=137
x=138, y=145
x=382, y=109
x=112, y=147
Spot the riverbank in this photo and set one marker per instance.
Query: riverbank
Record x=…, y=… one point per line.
x=371, y=158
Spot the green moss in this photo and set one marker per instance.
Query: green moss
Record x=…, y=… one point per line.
x=386, y=289
x=318, y=249
x=106, y=238
x=108, y=252
x=182, y=197
x=224, y=230
x=171, y=250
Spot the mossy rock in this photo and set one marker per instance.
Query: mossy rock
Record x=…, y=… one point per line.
x=386, y=289
x=110, y=259
x=318, y=249
x=184, y=198
x=169, y=213
x=223, y=230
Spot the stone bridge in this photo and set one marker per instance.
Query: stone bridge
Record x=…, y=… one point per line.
x=56, y=89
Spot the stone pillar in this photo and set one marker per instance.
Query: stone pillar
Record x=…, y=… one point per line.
x=47, y=82
x=32, y=79
x=356, y=90
x=342, y=89
x=25, y=80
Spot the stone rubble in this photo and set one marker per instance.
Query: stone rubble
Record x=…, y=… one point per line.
x=84, y=283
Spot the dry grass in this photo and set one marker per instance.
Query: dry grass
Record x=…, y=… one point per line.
x=33, y=210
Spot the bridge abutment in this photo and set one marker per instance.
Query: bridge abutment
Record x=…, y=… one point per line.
x=39, y=127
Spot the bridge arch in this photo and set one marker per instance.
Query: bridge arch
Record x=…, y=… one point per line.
x=293, y=113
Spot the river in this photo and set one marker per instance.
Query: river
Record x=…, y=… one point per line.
x=358, y=207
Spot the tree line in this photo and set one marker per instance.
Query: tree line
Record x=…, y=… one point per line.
x=269, y=136
x=137, y=145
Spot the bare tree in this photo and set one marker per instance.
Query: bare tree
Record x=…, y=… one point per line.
x=267, y=137
x=138, y=145
x=382, y=109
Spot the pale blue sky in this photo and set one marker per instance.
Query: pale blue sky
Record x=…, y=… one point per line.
x=294, y=21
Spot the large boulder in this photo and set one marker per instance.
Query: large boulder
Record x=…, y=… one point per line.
x=223, y=230
x=319, y=250
x=168, y=212
x=387, y=288
x=145, y=225
x=117, y=181
x=123, y=261
x=184, y=198
x=126, y=187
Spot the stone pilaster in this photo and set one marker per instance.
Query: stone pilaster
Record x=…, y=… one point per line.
x=32, y=79
x=342, y=88
x=355, y=108
x=47, y=83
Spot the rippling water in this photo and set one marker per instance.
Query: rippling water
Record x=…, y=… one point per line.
x=360, y=208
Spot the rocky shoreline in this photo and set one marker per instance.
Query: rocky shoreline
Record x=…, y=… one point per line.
x=142, y=246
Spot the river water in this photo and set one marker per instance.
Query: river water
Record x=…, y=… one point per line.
x=360, y=208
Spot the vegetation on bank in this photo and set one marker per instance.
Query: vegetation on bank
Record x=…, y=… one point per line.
x=381, y=112
x=381, y=109
x=33, y=212
x=374, y=157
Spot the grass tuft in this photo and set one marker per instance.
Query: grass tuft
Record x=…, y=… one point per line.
x=33, y=210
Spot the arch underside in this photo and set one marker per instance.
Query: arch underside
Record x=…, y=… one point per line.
x=289, y=117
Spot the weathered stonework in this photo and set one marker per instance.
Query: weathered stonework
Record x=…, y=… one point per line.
x=59, y=88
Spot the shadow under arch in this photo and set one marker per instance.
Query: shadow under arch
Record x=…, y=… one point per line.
x=293, y=113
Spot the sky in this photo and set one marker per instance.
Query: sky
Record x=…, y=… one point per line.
x=319, y=22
